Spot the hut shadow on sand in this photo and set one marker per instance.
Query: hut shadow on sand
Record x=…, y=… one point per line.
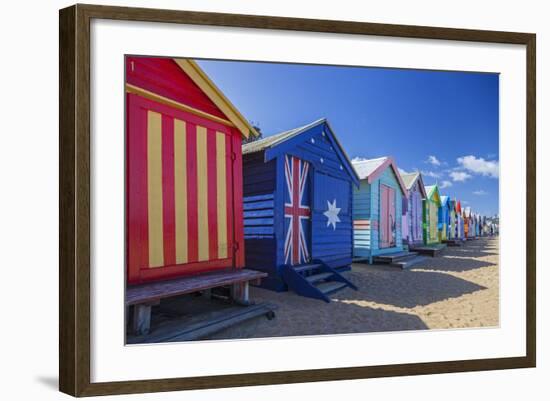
x=452, y=264
x=334, y=318
x=470, y=252
x=475, y=249
x=295, y=316
x=407, y=289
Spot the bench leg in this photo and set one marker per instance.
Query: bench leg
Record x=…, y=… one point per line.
x=239, y=293
x=142, y=319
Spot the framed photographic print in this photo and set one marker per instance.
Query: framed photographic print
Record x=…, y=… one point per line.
x=250, y=200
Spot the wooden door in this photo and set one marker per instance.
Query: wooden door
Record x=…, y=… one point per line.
x=387, y=216
x=413, y=224
x=179, y=193
x=433, y=209
x=444, y=225
x=452, y=224
x=392, y=216
x=297, y=249
x=405, y=231
x=417, y=216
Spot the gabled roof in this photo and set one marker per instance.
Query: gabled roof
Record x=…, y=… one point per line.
x=199, y=77
x=445, y=200
x=458, y=207
x=410, y=178
x=273, y=140
x=278, y=144
x=433, y=191
x=430, y=190
x=371, y=169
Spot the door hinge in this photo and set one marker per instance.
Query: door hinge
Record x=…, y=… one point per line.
x=235, y=246
x=233, y=156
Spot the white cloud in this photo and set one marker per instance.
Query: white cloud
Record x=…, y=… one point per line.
x=459, y=176
x=433, y=160
x=358, y=159
x=488, y=168
x=445, y=184
x=431, y=174
x=480, y=192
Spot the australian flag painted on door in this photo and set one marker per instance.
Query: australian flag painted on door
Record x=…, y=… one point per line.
x=297, y=211
x=297, y=188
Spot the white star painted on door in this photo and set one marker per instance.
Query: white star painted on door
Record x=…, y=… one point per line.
x=332, y=214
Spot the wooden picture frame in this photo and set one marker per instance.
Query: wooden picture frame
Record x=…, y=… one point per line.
x=74, y=199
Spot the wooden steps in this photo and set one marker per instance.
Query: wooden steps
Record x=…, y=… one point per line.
x=403, y=260
x=430, y=250
x=329, y=287
x=315, y=280
x=394, y=257
x=306, y=268
x=408, y=263
x=453, y=242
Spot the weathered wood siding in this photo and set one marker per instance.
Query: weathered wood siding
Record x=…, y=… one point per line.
x=443, y=225
x=452, y=225
x=259, y=177
x=388, y=178
x=460, y=225
x=266, y=191
x=412, y=235
x=431, y=233
x=362, y=201
x=333, y=246
x=405, y=227
x=415, y=215
x=183, y=177
x=164, y=77
x=259, y=214
x=367, y=215
x=330, y=181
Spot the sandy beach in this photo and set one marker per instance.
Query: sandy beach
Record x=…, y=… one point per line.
x=457, y=289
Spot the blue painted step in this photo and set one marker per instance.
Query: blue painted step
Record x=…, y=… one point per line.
x=315, y=280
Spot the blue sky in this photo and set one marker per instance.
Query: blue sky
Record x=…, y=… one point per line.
x=444, y=124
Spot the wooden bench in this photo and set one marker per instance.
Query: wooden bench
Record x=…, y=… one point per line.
x=143, y=296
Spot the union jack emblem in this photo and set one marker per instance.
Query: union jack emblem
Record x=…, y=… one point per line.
x=296, y=248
